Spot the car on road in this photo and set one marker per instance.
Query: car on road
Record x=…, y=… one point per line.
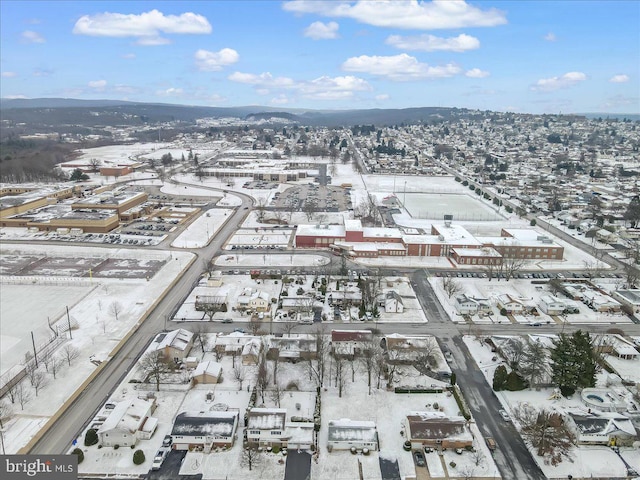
x=505, y=416
x=491, y=443
x=535, y=324
x=419, y=457
x=159, y=458
x=227, y=320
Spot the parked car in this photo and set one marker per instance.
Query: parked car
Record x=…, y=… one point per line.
x=167, y=441
x=505, y=416
x=491, y=443
x=227, y=320
x=420, y=461
x=159, y=458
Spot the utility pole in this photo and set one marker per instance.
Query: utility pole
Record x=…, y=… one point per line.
x=69, y=324
x=35, y=353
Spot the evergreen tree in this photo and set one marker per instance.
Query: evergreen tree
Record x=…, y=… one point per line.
x=573, y=362
x=500, y=378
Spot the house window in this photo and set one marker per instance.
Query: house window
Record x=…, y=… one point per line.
x=276, y=432
x=254, y=432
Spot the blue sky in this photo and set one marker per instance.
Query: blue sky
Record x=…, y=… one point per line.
x=523, y=56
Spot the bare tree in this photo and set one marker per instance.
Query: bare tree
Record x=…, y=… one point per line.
x=477, y=457
x=369, y=357
x=5, y=412
x=546, y=431
x=40, y=380
x=450, y=286
x=45, y=358
x=261, y=205
x=23, y=395
x=57, y=363
x=309, y=208
x=276, y=395
x=592, y=269
x=339, y=365
x=70, y=353
x=238, y=374
x=250, y=458
x=255, y=324
x=631, y=275
x=513, y=352
x=115, y=309
x=262, y=377
x=316, y=366
x=95, y=164
x=288, y=327
x=511, y=266
x=370, y=290
x=30, y=369
x=201, y=337
x=391, y=366
x=154, y=367
x=161, y=174
x=490, y=270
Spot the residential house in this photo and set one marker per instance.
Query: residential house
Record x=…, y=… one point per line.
x=510, y=304
x=202, y=431
x=292, y=347
x=174, y=345
x=465, y=305
x=232, y=343
x=436, y=430
x=616, y=345
x=299, y=435
x=350, y=343
x=551, y=305
x=344, y=434
x=602, y=428
x=128, y=422
x=408, y=348
x=251, y=352
x=629, y=298
x=207, y=373
x=255, y=300
x=600, y=302
x=266, y=427
x=393, y=302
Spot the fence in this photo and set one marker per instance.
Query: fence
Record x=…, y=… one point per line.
x=37, y=280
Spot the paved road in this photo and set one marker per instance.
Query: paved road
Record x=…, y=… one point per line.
x=71, y=422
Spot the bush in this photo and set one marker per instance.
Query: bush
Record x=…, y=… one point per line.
x=533, y=222
x=138, y=457
x=515, y=382
x=452, y=464
x=79, y=453
x=436, y=406
x=116, y=446
x=276, y=449
x=567, y=391
x=132, y=447
x=503, y=312
x=500, y=378
x=91, y=437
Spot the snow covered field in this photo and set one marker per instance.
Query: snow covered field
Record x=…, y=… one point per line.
x=99, y=329
x=434, y=206
x=200, y=232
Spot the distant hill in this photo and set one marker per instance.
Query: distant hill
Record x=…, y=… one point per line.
x=634, y=117
x=56, y=112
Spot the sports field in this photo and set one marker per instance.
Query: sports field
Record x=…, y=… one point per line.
x=435, y=205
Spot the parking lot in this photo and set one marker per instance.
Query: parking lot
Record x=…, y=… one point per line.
x=327, y=199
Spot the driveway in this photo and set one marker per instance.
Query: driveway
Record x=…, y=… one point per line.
x=298, y=466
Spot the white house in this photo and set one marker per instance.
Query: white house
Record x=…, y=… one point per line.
x=510, y=304
x=174, y=345
x=344, y=434
x=551, y=305
x=266, y=427
x=602, y=428
x=207, y=372
x=465, y=305
x=393, y=302
x=203, y=431
x=258, y=301
x=128, y=422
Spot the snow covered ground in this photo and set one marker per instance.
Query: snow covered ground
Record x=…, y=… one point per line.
x=200, y=232
x=98, y=330
x=586, y=461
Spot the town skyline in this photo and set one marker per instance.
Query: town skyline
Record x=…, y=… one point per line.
x=528, y=57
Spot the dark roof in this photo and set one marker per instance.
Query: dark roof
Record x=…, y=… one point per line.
x=351, y=335
x=219, y=424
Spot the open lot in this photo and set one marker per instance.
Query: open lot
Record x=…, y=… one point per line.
x=435, y=205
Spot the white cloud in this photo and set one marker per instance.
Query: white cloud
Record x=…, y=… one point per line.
x=476, y=73
x=126, y=89
x=29, y=36
x=556, y=83
x=550, y=37
x=146, y=26
x=129, y=56
x=619, y=78
x=98, y=84
x=405, y=14
x=9, y=74
x=281, y=99
x=322, y=31
x=152, y=41
x=382, y=97
x=431, y=43
x=14, y=97
x=321, y=88
x=399, y=68
x=42, y=72
x=618, y=101
x=215, y=61
x=170, y=92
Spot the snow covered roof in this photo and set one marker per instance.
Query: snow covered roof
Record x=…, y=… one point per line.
x=266, y=418
x=212, y=423
x=209, y=368
x=178, y=339
x=435, y=425
x=127, y=415
x=320, y=231
x=603, y=423
x=346, y=430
